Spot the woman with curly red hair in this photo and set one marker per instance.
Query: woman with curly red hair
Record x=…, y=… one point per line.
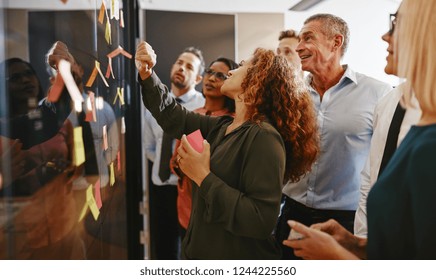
x=238, y=177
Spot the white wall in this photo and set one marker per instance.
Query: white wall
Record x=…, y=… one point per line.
x=257, y=30
x=368, y=20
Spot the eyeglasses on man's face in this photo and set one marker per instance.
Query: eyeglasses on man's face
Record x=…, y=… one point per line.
x=392, y=23
x=219, y=75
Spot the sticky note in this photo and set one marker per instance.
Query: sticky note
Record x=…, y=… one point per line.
x=107, y=33
x=196, y=140
x=105, y=144
x=79, y=148
x=56, y=89
x=112, y=174
x=101, y=13
x=97, y=194
x=90, y=200
x=65, y=70
x=97, y=65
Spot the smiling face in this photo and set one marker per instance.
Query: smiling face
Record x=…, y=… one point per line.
x=315, y=49
x=185, y=71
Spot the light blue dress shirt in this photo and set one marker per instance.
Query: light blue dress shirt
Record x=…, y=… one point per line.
x=345, y=116
x=152, y=138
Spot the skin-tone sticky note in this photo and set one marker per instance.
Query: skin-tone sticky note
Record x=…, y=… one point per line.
x=123, y=126
x=79, y=148
x=112, y=174
x=121, y=19
x=97, y=65
x=65, y=70
x=91, y=115
x=105, y=144
x=56, y=89
x=196, y=140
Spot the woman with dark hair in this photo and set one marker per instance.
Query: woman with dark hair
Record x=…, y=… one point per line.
x=23, y=86
x=216, y=104
x=238, y=177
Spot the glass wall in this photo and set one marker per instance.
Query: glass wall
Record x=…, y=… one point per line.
x=67, y=132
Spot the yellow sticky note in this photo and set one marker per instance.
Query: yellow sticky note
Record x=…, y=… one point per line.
x=120, y=95
x=79, y=148
x=90, y=200
x=97, y=66
x=83, y=212
x=107, y=33
x=112, y=174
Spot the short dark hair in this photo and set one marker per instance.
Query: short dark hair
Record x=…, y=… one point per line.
x=331, y=26
x=290, y=33
x=198, y=53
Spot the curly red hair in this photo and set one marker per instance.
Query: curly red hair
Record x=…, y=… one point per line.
x=274, y=91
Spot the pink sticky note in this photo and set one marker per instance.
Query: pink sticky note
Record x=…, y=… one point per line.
x=97, y=194
x=196, y=140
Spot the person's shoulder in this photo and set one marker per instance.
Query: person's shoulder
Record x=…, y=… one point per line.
x=367, y=80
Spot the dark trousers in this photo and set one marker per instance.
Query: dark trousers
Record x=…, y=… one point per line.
x=293, y=210
x=164, y=224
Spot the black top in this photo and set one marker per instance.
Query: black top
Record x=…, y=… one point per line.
x=235, y=209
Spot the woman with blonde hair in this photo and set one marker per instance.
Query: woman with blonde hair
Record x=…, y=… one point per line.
x=401, y=208
x=238, y=177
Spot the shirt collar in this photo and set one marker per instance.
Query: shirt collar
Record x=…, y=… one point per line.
x=185, y=98
x=349, y=74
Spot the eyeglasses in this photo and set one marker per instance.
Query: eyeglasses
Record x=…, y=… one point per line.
x=392, y=23
x=14, y=78
x=219, y=75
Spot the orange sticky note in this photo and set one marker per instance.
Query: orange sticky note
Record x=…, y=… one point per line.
x=92, y=77
x=196, y=140
x=56, y=89
x=119, y=161
x=101, y=13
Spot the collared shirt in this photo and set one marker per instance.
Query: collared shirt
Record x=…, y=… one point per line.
x=153, y=133
x=383, y=115
x=345, y=117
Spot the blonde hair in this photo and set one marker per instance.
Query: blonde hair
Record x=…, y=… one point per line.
x=415, y=43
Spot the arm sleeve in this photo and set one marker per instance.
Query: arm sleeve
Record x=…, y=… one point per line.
x=360, y=220
x=254, y=211
x=171, y=116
